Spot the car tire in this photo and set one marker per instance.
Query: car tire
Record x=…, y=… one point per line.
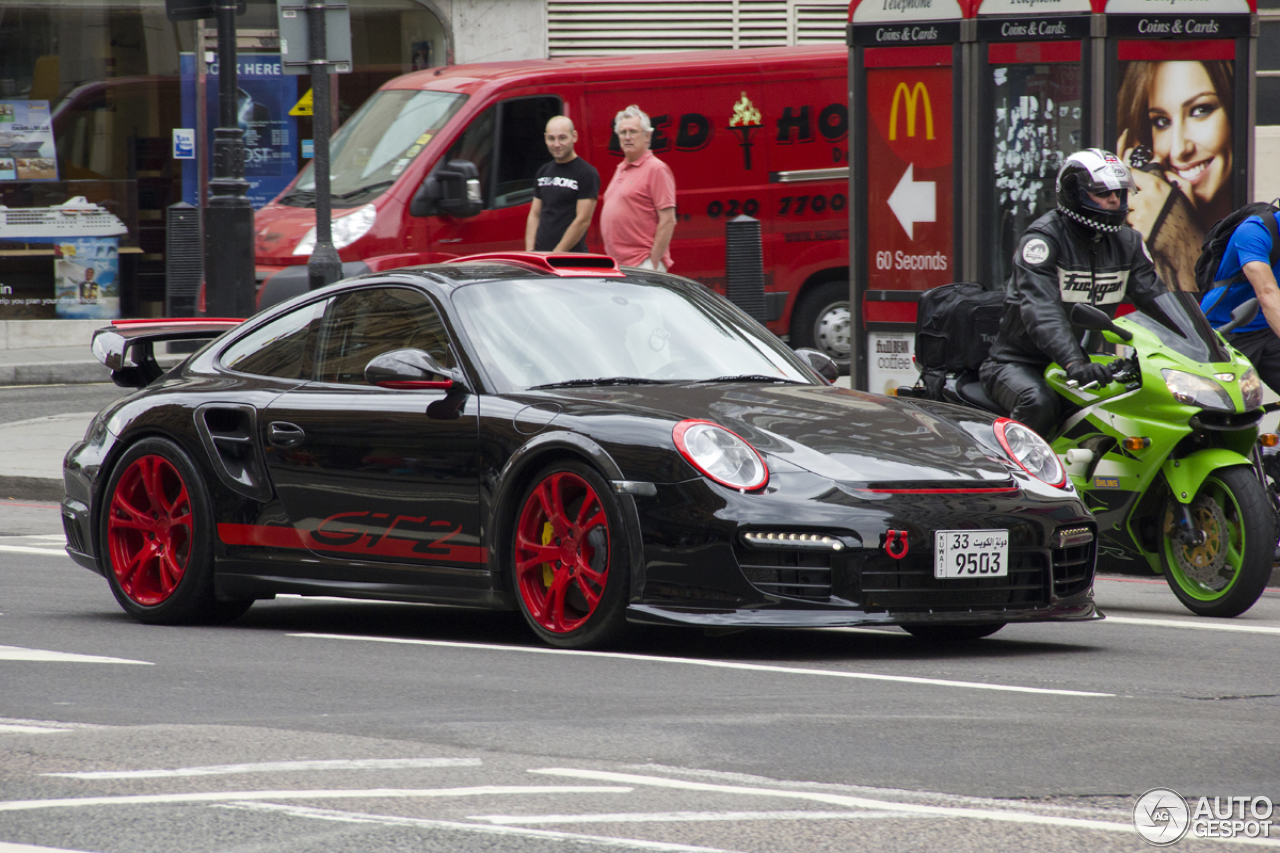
x=156, y=538
x=568, y=561
x=933, y=633
x=821, y=321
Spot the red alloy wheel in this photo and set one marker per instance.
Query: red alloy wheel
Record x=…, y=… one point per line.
x=149, y=530
x=562, y=552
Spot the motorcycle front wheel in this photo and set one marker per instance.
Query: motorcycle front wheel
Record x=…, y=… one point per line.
x=1225, y=574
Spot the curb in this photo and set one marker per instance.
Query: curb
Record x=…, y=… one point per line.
x=32, y=488
x=54, y=373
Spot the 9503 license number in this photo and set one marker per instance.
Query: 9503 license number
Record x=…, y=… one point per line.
x=971, y=554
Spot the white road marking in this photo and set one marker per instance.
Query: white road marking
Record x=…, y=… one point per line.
x=682, y=817
x=23, y=549
x=1206, y=625
x=751, y=667
x=276, y=767
x=356, y=793
x=43, y=656
x=27, y=848
x=911, y=809
x=27, y=730
x=388, y=820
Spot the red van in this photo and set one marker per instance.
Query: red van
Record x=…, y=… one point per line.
x=441, y=163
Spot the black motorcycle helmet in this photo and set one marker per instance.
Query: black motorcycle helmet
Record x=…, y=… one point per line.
x=1096, y=171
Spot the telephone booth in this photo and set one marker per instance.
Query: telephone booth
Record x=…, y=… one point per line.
x=1034, y=90
x=904, y=220
x=1179, y=108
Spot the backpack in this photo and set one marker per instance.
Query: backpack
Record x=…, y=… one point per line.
x=955, y=327
x=1215, y=242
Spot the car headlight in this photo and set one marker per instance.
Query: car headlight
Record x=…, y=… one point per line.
x=1032, y=453
x=346, y=230
x=720, y=454
x=1251, y=389
x=1192, y=390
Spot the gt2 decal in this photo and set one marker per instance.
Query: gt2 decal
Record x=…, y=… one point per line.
x=376, y=534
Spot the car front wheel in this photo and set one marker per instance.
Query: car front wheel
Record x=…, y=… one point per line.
x=568, y=558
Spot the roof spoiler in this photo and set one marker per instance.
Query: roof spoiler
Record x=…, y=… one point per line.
x=127, y=347
x=565, y=264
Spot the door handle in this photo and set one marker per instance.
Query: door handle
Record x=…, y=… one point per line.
x=284, y=434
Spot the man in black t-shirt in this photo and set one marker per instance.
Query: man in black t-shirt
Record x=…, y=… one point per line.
x=564, y=197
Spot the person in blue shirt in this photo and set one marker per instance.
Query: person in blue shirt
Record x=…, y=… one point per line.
x=1246, y=272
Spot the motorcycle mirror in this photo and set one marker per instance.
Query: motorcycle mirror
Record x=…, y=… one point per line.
x=1241, y=315
x=1093, y=319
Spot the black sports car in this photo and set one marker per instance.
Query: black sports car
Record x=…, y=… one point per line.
x=593, y=446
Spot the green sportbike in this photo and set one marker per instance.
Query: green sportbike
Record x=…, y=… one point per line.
x=1167, y=455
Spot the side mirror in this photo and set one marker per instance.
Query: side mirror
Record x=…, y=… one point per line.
x=409, y=370
x=1085, y=316
x=452, y=188
x=822, y=363
x=1241, y=315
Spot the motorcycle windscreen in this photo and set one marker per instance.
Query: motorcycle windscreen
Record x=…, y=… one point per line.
x=1176, y=318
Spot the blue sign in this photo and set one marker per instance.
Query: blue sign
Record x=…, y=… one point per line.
x=270, y=133
x=184, y=143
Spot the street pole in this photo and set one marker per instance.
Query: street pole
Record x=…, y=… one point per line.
x=229, y=218
x=324, y=267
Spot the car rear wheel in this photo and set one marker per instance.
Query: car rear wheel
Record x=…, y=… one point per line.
x=568, y=558
x=821, y=321
x=157, y=538
x=953, y=633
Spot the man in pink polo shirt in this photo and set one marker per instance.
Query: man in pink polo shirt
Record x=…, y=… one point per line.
x=638, y=215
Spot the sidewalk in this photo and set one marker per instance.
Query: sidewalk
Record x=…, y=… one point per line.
x=49, y=352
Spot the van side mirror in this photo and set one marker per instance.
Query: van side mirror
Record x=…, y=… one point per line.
x=452, y=188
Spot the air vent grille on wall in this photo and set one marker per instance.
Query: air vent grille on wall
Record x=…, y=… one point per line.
x=600, y=28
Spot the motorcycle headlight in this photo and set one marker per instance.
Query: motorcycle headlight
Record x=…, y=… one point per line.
x=720, y=454
x=1032, y=453
x=1192, y=390
x=346, y=230
x=1251, y=389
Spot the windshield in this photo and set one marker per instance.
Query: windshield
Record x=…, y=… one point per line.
x=531, y=333
x=377, y=144
x=1176, y=319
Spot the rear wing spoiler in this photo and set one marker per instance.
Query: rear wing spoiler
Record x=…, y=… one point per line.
x=127, y=347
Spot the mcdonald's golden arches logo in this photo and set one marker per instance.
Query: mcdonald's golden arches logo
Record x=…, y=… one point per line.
x=913, y=98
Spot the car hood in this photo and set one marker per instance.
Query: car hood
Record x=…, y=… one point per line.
x=848, y=436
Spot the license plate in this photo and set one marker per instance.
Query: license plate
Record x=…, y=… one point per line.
x=971, y=554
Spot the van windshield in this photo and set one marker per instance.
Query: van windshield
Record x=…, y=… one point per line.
x=376, y=145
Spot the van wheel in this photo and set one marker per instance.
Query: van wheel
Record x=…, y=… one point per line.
x=821, y=321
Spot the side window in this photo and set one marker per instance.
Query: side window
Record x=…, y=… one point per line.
x=476, y=144
x=280, y=348
x=521, y=147
x=366, y=323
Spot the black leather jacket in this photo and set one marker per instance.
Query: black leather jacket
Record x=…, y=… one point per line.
x=1060, y=261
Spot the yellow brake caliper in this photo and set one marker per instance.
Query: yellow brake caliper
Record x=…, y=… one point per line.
x=548, y=571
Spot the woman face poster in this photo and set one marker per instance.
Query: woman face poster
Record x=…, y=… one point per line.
x=1174, y=124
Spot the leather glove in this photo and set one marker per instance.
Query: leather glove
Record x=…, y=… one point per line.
x=1084, y=372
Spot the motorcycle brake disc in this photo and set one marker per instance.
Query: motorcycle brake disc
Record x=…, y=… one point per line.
x=1203, y=563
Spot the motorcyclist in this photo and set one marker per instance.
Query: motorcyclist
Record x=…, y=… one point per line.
x=1081, y=252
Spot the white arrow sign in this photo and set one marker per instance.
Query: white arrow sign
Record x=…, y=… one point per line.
x=914, y=201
